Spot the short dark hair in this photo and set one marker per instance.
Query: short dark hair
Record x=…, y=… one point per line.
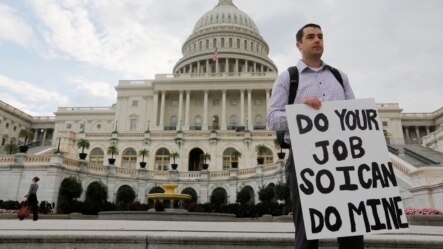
x=299, y=35
x=36, y=179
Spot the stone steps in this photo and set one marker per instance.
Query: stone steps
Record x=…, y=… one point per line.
x=100, y=234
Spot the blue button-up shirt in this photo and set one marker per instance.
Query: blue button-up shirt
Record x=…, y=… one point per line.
x=318, y=82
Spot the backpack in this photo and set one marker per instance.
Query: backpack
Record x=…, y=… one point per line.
x=293, y=86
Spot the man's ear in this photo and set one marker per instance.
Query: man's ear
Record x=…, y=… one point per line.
x=298, y=45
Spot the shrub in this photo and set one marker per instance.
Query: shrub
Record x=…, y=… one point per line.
x=243, y=196
x=45, y=207
x=96, y=196
x=218, y=197
x=125, y=195
x=265, y=195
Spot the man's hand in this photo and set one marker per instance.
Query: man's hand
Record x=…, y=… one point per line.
x=312, y=101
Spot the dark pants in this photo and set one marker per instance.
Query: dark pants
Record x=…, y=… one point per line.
x=355, y=242
x=33, y=203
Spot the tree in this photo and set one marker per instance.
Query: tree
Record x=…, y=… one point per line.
x=236, y=155
x=83, y=144
x=218, y=196
x=11, y=148
x=174, y=156
x=112, y=150
x=144, y=153
x=26, y=134
x=70, y=188
x=125, y=195
x=277, y=145
x=205, y=157
x=96, y=196
x=260, y=149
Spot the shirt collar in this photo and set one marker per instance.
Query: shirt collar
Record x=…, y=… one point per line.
x=301, y=66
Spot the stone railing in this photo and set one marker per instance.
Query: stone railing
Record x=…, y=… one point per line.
x=83, y=166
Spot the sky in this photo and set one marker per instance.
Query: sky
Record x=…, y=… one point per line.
x=72, y=53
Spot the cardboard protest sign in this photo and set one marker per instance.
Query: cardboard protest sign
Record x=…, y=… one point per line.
x=346, y=180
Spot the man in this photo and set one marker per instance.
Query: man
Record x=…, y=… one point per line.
x=317, y=84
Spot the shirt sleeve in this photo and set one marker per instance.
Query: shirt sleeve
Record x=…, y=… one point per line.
x=349, y=94
x=276, y=116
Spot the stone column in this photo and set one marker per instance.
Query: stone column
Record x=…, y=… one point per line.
x=427, y=130
x=207, y=66
x=223, y=116
x=236, y=66
x=188, y=100
x=180, y=108
x=155, y=110
x=268, y=95
x=242, y=107
x=417, y=133
x=226, y=65
x=162, y=109
x=205, y=111
x=250, y=120
x=217, y=69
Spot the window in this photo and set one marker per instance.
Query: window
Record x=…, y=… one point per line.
x=222, y=42
x=258, y=102
x=230, y=42
x=258, y=120
x=198, y=121
x=129, y=159
x=198, y=102
x=96, y=156
x=15, y=128
x=207, y=43
x=228, y=158
x=238, y=43
x=7, y=125
x=162, y=159
x=68, y=126
x=233, y=120
x=174, y=103
x=267, y=155
x=99, y=126
x=215, y=102
x=214, y=43
x=233, y=101
x=134, y=103
x=133, y=124
x=385, y=123
x=174, y=121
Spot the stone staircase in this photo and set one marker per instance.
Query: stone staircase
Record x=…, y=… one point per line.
x=417, y=155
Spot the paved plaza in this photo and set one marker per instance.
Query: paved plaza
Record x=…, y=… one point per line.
x=112, y=234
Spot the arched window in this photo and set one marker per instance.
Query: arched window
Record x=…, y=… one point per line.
x=96, y=156
x=238, y=43
x=228, y=158
x=214, y=43
x=129, y=158
x=222, y=42
x=245, y=45
x=200, y=43
x=162, y=159
x=207, y=43
x=230, y=42
x=268, y=156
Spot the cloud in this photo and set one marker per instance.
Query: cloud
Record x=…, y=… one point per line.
x=13, y=28
x=111, y=34
x=30, y=98
x=94, y=89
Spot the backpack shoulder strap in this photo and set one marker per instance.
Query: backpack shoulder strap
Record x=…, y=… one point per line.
x=293, y=84
x=336, y=74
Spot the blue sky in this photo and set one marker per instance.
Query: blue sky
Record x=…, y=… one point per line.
x=58, y=53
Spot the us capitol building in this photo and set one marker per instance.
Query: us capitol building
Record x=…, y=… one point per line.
x=214, y=102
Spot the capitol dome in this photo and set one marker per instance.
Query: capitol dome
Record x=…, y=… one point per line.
x=236, y=39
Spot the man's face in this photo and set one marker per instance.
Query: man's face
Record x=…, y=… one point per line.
x=312, y=42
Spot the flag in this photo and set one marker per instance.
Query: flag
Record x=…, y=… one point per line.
x=215, y=55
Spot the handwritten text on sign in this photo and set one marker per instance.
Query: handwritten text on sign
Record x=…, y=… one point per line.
x=346, y=180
